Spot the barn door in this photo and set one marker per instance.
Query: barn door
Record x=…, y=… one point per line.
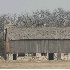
x=51, y=56
x=14, y=56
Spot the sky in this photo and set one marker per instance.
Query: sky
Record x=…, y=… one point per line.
x=23, y=6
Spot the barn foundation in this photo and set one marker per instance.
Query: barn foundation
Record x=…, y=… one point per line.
x=39, y=56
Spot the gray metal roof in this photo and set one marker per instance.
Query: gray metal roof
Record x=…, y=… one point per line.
x=39, y=33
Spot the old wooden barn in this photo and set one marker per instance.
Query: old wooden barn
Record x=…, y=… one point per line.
x=48, y=43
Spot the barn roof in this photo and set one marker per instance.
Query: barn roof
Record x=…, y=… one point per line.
x=39, y=33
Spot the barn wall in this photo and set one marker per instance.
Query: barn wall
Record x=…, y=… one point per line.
x=40, y=46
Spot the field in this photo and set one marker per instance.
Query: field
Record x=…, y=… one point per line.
x=34, y=65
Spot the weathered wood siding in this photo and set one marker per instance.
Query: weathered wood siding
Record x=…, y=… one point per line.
x=40, y=46
x=52, y=46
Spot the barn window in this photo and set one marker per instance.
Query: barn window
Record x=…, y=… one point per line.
x=43, y=54
x=65, y=53
x=21, y=54
x=34, y=54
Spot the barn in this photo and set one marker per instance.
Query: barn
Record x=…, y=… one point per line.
x=49, y=43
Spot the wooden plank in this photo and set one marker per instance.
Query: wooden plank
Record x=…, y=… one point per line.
x=53, y=46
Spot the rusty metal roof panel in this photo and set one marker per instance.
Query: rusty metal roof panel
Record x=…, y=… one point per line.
x=39, y=33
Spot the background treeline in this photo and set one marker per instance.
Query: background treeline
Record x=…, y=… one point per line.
x=43, y=18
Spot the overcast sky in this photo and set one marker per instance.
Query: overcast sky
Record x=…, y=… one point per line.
x=18, y=6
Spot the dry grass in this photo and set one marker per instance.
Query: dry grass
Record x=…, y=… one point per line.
x=34, y=65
